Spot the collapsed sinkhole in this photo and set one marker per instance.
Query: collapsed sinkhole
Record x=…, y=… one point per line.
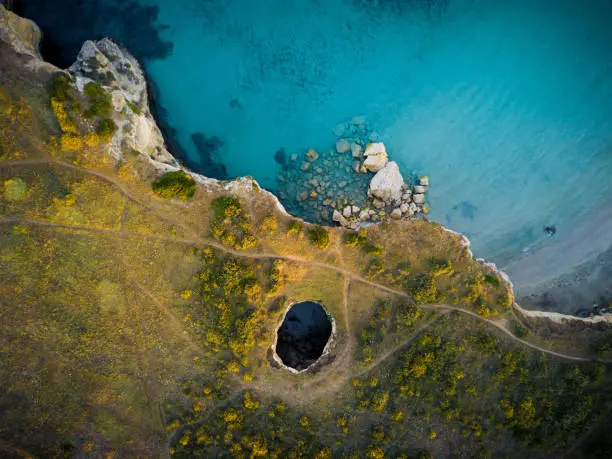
x=303, y=335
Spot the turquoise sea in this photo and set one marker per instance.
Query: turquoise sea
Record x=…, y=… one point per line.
x=506, y=105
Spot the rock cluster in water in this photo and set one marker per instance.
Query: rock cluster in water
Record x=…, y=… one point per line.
x=336, y=184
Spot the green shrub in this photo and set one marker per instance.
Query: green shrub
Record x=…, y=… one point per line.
x=100, y=101
x=602, y=347
x=269, y=224
x=441, y=267
x=135, y=108
x=318, y=237
x=492, y=280
x=374, y=268
x=294, y=227
x=505, y=300
x=425, y=290
x=175, y=184
x=225, y=206
x=352, y=239
x=106, y=128
x=371, y=249
x=60, y=87
x=15, y=189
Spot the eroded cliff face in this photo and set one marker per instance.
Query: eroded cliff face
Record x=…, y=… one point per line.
x=120, y=74
x=23, y=34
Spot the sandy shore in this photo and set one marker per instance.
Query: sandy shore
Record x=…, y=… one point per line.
x=572, y=272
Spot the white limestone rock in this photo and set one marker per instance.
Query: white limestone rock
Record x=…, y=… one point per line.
x=396, y=214
x=378, y=204
x=424, y=180
x=419, y=189
x=356, y=150
x=121, y=76
x=386, y=185
x=376, y=156
x=418, y=198
x=338, y=217
x=346, y=212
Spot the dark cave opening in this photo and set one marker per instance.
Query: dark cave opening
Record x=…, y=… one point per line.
x=303, y=335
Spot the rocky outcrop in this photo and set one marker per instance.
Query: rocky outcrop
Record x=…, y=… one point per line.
x=387, y=184
x=376, y=157
x=120, y=74
x=22, y=34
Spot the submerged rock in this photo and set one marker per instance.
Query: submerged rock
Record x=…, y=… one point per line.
x=312, y=155
x=356, y=150
x=342, y=146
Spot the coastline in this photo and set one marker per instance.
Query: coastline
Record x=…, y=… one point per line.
x=244, y=186
x=532, y=274
x=569, y=274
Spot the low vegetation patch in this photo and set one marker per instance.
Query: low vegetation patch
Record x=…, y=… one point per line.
x=294, y=227
x=318, y=237
x=106, y=128
x=100, y=104
x=358, y=239
x=175, y=184
x=230, y=224
x=15, y=189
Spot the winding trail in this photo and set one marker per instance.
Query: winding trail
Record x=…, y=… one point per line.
x=415, y=334
x=349, y=275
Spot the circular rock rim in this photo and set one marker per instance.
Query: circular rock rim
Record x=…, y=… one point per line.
x=331, y=341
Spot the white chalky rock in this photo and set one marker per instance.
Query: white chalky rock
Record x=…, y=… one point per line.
x=424, y=180
x=419, y=189
x=347, y=212
x=396, y=214
x=338, y=217
x=386, y=185
x=376, y=156
x=418, y=198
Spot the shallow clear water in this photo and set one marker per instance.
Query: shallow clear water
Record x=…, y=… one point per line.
x=506, y=105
